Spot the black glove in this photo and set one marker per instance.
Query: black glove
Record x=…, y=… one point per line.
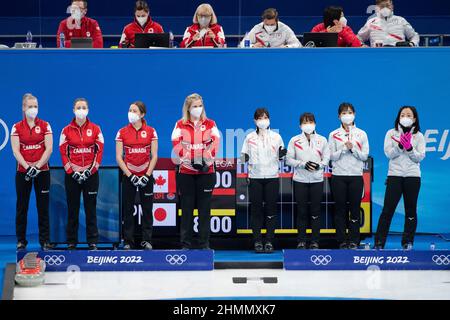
x=134, y=180
x=86, y=174
x=205, y=167
x=281, y=152
x=245, y=157
x=32, y=172
x=400, y=146
x=143, y=181
x=78, y=177
x=312, y=166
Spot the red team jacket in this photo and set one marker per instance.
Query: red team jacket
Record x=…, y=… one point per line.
x=81, y=148
x=206, y=41
x=137, y=146
x=130, y=30
x=346, y=38
x=89, y=29
x=32, y=141
x=190, y=141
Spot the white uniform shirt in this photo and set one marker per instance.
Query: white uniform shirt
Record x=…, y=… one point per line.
x=282, y=36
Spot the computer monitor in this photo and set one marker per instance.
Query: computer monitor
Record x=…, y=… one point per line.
x=147, y=40
x=81, y=43
x=321, y=39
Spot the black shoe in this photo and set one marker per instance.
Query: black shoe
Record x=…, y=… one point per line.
x=314, y=245
x=343, y=245
x=185, y=247
x=259, y=247
x=378, y=246
x=21, y=245
x=301, y=245
x=92, y=247
x=46, y=246
x=126, y=246
x=71, y=246
x=146, y=245
x=407, y=246
x=352, y=246
x=268, y=247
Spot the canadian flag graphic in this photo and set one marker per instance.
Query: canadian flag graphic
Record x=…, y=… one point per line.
x=164, y=181
x=164, y=214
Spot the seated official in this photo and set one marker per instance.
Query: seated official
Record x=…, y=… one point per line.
x=79, y=26
x=272, y=33
x=386, y=29
x=142, y=23
x=335, y=21
x=205, y=32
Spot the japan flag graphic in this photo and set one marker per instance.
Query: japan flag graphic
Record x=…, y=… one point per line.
x=164, y=214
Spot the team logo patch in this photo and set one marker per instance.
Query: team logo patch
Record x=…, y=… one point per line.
x=150, y=30
x=89, y=132
x=88, y=34
x=144, y=134
x=203, y=127
x=37, y=130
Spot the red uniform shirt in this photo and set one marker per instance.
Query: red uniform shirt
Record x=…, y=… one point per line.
x=205, y=41
x=89, y=29
x=130, y=30
x=137, y=145
x=32, y=141
x=81, y=148
x=346, y=38
x=192, y=141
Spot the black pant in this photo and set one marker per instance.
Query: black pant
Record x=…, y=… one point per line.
x=304, y=193
x=395, y=188
x=196, y=189
x=264, y=191
x=41, y=191
x=73, y=193
x=146, y=202
x=347, y=189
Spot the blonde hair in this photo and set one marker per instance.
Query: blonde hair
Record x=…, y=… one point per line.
x=26, y=97
x=187, y=104
x=209, y=8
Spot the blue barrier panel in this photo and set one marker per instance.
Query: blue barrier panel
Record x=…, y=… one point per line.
x=132, y=260
x=366, y=259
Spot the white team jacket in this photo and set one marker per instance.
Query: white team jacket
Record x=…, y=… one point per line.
x=262, y=149
x=300, y=151
x=282, y=36
x=401, y=162
x=348, y=162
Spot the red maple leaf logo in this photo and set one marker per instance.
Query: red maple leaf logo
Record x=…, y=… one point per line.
x=160, y=181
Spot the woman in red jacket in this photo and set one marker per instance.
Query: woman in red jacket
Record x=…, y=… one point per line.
x=195, y=140
x=81, y=148
x=32, y=144
x=136, y=155
x=142, y=23
x=205, y=32
x=335, y=21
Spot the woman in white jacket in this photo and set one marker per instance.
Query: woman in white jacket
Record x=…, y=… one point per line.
x=404, y=145
x=263, y=148
x=349, y=148
x=308, y=154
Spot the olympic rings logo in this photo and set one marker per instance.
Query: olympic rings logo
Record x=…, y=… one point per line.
x=176, y=259
x=5, y=141
x=441, y=260
x=54, y=260
x=321, y=260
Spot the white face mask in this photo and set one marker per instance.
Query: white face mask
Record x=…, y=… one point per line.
x=385, y=12
x=263, y=124
x=76, y=14
x=343, y=21
x=196, y=112
x=81, y=114
x=406, y=122
x=31, y=113
x=204, y=21
x=133, y=117
x=270, y=29
x=348, y=119
x=308, y=128
x=142, y=20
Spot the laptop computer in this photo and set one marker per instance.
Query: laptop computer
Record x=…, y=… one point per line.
x=147, y=40
x=25, y=45
x=81, y=42
x=321, y=39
